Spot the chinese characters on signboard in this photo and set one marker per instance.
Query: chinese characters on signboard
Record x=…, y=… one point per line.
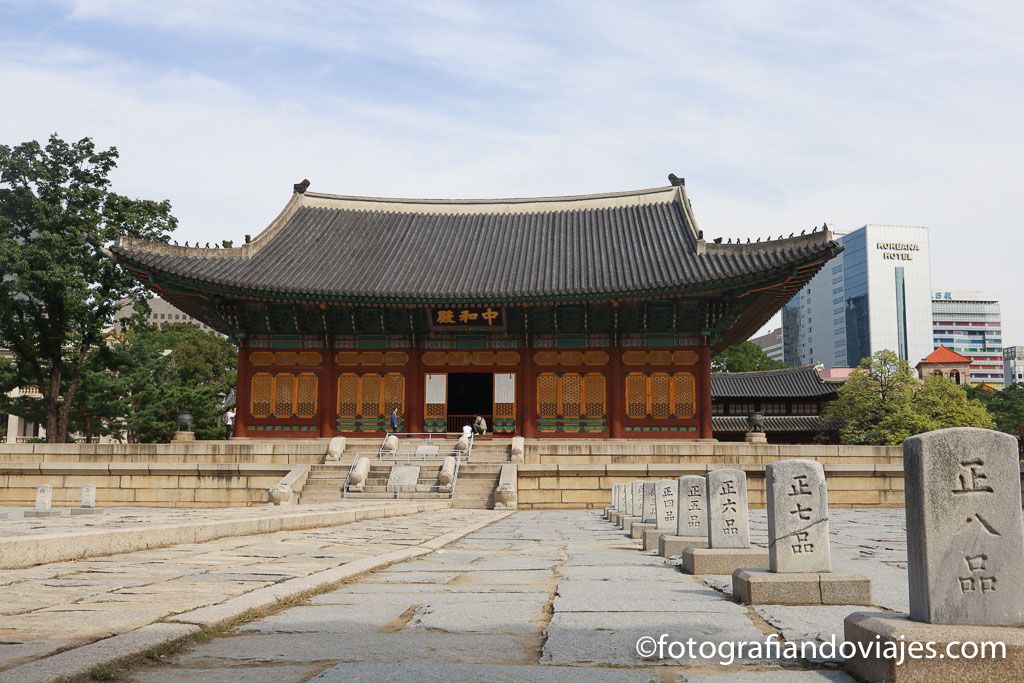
x=468, y=317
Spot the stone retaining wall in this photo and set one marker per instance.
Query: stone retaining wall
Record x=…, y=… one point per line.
x=292, y=452
x=611, y=451
x=550, y=486
x=141, y=484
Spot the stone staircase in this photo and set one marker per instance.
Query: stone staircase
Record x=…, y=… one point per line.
x=474, y=488
x=476, y=484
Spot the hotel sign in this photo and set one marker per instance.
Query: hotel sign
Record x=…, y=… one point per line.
x=897, y=251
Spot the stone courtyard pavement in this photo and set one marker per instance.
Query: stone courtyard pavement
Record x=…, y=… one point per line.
x=53, y=607
x=540, y=596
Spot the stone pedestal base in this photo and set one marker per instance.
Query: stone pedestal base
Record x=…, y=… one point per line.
x=865, y=628
x=755, y=437
x=614, y=517
x=672, y=546
x=722, y=560
x=42, y=513
x=637, y=529
x=653, y=536
x=761, y=587
x=626, y=520
x=606, y=512
x=183, y=437
x=85, y=511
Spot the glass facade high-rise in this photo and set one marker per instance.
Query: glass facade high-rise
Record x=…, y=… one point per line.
x=969, y=323
x=875, y=295
x=1013, y=365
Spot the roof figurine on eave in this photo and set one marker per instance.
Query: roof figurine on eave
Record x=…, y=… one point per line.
x=334, y=249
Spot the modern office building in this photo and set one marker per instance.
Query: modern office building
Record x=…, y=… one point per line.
x=160, y=313
x=968, y=322
x=771, y=344
x=874, y=295
x=1013, y=365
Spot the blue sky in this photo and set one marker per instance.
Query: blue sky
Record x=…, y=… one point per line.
x=781, y=116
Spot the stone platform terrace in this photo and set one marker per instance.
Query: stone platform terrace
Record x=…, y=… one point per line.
x=48, y=608
x=539, y=596
x=29, y=541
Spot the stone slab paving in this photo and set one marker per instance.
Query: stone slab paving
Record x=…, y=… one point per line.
x=13, y=523
x=52, y=607
x=540, y=596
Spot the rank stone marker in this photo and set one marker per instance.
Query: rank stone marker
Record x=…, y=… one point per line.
x=665, y=508
x=728, y=525
x=797, y=517
x=648, y=513
x=87, y=502
x=965, y=560
x=691, y=518
x=620, y=503
x=635, y=504
x=44, y=500
x=611, y=504
x=799, y=562
x=728, y=529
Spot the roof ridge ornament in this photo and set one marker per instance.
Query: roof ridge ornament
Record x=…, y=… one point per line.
x=301, y=188
x=676, y=181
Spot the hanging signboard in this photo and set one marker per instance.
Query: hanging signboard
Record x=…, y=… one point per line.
x=475, y=318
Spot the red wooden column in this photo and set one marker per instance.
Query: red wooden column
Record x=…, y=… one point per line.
x=526, y=395
x=704, y=392
x=328, y=390
x=242, y=391
x=414, y=388
x=616, y=383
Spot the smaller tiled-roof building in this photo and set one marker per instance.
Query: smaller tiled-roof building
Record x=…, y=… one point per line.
x=791, y=401
x=946, y=363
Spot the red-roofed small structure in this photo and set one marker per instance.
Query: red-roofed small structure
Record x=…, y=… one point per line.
x=946, y=363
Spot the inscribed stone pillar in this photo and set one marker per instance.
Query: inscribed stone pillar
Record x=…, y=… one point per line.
x=638, y=499
x=727, y=509
x=650, y=508
x=88, y=496
x=627, y=499
x=693, y=506
x=797, y=517
x=666, y=505
x=44, y=497
x=965, y=538
x=615, y=496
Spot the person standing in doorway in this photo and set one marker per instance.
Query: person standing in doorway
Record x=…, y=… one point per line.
x=394, y=420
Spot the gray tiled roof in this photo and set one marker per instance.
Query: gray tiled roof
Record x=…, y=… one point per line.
x=772, y=423
x=417, y=251
x=801, y=382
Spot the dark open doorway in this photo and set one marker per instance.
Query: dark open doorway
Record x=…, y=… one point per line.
x=469, y=394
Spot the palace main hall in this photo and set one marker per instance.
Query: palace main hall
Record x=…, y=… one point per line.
x=592, y=315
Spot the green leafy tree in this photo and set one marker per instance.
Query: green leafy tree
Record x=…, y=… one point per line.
x=100, y=406
x=745, y=357
x=1006, y=408
x=58, y=290
x=873, y=405
x=173, y=369
x=882, y=402
x=939, y=404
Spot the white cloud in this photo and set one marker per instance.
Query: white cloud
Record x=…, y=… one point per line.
x=780, y=115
